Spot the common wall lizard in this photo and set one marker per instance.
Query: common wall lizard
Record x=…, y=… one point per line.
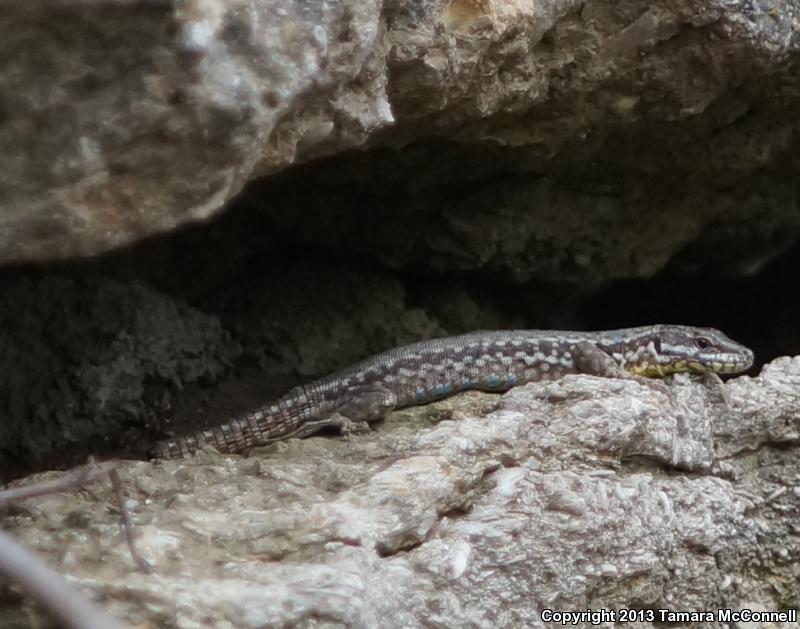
x=490, y=361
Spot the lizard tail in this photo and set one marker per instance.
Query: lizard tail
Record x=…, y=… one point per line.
x=241, y=434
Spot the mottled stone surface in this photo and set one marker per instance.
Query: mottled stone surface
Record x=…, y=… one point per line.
x=594, y=140
x=429, y=167
x=99, y=365
x=123, y=119
x=586, y=492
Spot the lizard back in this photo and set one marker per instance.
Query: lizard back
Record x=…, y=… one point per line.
x=495, y=360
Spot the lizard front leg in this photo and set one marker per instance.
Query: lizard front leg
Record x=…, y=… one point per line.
x=590, y=359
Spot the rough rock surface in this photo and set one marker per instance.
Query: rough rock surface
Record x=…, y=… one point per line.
x=81, y=360
x=124, y=119
x=140, y=116
x=517, y=157
x=479, y=511
x=99, y=365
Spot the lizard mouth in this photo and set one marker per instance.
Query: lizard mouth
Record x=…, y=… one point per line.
x=727, y=366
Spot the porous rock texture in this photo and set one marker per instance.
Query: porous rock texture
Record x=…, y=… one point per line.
x=478, y=511
x=103, y=366
x=540, y=125
x=425, y=167
x=534, y=151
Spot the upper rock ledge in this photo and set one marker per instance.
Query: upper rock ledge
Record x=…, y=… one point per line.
x=124, y=118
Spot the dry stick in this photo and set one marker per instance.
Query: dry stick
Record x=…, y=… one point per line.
x=66, y=604
x=88, y=473
x=76, y=478
x=127, y=524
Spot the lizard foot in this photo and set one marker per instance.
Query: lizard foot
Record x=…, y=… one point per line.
x=348, y=426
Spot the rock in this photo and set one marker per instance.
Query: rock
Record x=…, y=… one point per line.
x=126, y=119
x=581, y=493
x=123, y=119
x=82, y=361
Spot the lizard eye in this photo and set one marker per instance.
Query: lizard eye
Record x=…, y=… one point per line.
x=702, y=342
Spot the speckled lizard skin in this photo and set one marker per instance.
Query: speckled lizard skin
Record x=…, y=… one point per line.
x=489, y=361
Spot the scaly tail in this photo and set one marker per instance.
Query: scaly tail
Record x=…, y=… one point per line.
x=281, y=420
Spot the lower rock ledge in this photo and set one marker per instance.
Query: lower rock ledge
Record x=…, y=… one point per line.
x=480, y=521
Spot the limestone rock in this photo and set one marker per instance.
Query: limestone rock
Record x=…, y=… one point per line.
x=125, y=119
x=582, y=493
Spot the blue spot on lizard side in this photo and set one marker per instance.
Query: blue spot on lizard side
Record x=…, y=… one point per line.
x=442, y=389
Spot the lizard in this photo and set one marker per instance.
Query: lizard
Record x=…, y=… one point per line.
x=430, y=370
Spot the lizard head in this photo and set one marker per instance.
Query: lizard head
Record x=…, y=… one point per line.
x=683, y=348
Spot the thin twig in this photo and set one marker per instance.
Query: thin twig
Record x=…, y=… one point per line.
x=76, y=478
x=67, y=605
x=127, y=524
